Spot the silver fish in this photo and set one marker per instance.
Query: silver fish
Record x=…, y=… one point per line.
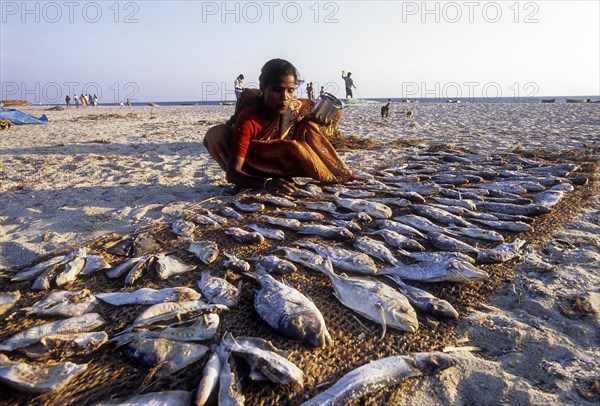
x=421, y=223
x=170, y=398
x=505, y=187
x=199, y=328
x=423, y=189
x=398, y=240
x=480, y=215
x=501, y=253
x=346, y=192
x=209, y=381
x=168, y=265
x=274, y=265
x=515, y=226
x=39, y=378
x=205, y=220
x=32, y=335
x=373, y=209
x=322, y=206
x=302, y=215
x=445, y=243
x=148, y=296
x=235, y=263
x=399, y=227
x=425, y=301
x=183, y=228
x=273, y=234
x=450, y=270
x=218, y=290
x=249, y=207
x=479, y=233
x=63, y=304
x=206, y=251
x=230, y=389
x=375, y=249
x=243, y=236
x=219, y=219
x=264, y=359
x=229, y=212
x=275, y=200
x=282, y=222
x=510, y=217
x=167, y=355
x=459, y=211
x=439, y=215
x=326, y=231
x=66, y=345
x=8, y=300
x=165, y=311
x=355, y=215
x=391, y=201
x=94, y=263
x=346, y=260
x=288, y=311
x=308, y=259
x=438, y=256
x=123, y=267
x=36, y=270
x=382, y=373
x=136, y=272
x=350, y=225
x=549, y=198
x=527, y=210
x=374, y=300
x=72, y=269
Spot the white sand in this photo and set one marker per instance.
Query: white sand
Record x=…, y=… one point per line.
x=95, y=171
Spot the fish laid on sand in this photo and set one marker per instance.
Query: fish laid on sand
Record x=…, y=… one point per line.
x=230, y=388
x=380, y=374
x=235, y=264
x=209, y=381
x=289, y=311
x=346, y=260
x=374, y=300
x=399, y=227
x=149, y=296
x=170, y=398
x=274, y=265
x=275, y=200
x=292, y=224
x=65, y=345
x=514, y=226
x=373, y=209
x=231, y=213
x=271, y=233
x=206, y=251
x=38, y=378
x=218, y=290
x=425, y=301
x=398, y=240
x=375, y=249
x=183, y=228
x=63, y=303
x=244, y=236
x=168, y=265
x=303, y=215
x=249, y=207
x=327, y=231
x=501, y=253
x=8, y=300
x=446, y=243
x=200, y=328
x=448, y=270
x=165, y=312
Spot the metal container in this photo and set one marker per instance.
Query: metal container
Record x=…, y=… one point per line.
x=327, y=107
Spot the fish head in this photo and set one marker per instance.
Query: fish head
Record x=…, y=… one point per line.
x=442, y=309
x=405, y=315
x=308, y=327
x=467, y=270
x=431, y=362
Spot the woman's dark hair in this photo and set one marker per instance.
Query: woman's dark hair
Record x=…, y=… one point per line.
x=273, y=70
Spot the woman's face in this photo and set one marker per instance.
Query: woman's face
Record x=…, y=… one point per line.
x=277, y=96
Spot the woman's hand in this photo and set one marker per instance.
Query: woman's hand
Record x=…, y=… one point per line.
x=279, y=186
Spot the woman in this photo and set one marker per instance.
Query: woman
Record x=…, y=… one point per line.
x=271, y=142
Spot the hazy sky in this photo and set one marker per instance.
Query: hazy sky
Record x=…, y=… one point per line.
x=193, y=50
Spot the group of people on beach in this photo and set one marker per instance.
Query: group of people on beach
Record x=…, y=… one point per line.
x=85, y=101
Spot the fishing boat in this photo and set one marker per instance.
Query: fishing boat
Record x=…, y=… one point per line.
x=578, y=100
x=548, y=100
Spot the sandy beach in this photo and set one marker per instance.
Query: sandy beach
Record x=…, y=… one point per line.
x=96, y=172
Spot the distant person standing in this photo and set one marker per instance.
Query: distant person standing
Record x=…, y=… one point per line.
x=349, y=84
x=128, y=103
x=96, y=101
x=385, y=109
x=68, y=101
x=310, y=93
x=322, y=92
x=238, y=85
x=90, y=100
x=76, y=99
x=83, y=100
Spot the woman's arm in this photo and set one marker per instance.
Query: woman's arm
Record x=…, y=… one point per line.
x=237, y=176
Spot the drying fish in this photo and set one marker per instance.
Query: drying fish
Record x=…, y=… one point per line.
x=346, y=260
x=66, y=345
x=199, y=328
x=501, y=253
x=383, y=373
x=170, y=398
x=438, y=256
x=264, y=359
x=206, y=251
x=218, y=290
x=38, y=378
x=32, y=335
x=449, y=270
x=412, y=197
x=244, y=236
x=459, y=211
x=236, y=264
x=249, y=207
x=399, y=227
x=549, y=198
x=36, y=270
x=167, y=311
x=73, y=264
x=357, y=216
x=391, y=201
x=518, y=200
x=528, y=185
x=167, y=266
x=275, y=200
x=231, y=213
x=346, y=192
x=72, y=269
x=123, y=267
x=421, y=188
x=515, y=226
x=479, y=233
x=439, y=215
x=219, y=219
x=136, y=272
x=322, y=206
x=325, y=231
x=63, y=304
x=480, y=215
x=308, y=259
x=230, y=389
x=373, y=209
x=510, y=217
x=505, y=187
x=374, y=300
x=289, y=311
x=209, y=381
x=8, y=300
x=527, y=210
x=274, y=265
x=94, y=263
x=422, y=224
x=425, y=301
x=398, y=240
x=351, y=225
x=273, y=234
x=375, y=249
x=183, y=228
x=460, y=194
x=169, y=356
x=205, y=220
x=302, y=215
x=148, y=296
x=445, y=243
x=282, y=222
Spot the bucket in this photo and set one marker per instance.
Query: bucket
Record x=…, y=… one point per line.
x=327, y=107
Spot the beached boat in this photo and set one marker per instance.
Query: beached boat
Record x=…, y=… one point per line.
x=578, y=100
x=452, y=101
x=227, y=103
x=548, y=100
